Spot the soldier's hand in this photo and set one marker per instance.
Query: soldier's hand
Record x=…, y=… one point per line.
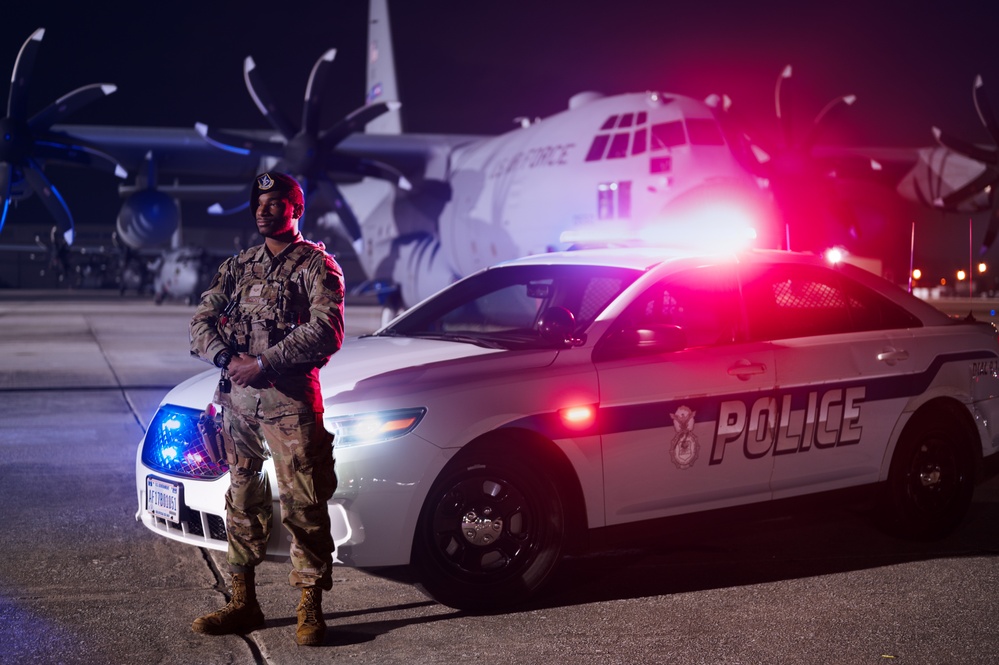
x=245, y=371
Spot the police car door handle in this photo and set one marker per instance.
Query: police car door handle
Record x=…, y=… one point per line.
x=892, y=356
x=744, y=369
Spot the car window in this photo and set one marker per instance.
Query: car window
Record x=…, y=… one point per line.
x=509, y=300
x=508, y=308
x=704, y=302
x=786, y=301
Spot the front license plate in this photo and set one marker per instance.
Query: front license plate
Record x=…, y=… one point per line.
x=163, y=499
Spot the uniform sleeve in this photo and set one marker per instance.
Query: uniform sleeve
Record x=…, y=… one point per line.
x=313, y=343
x=206, y=342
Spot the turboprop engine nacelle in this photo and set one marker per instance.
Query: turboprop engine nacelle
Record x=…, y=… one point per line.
x=148, y=218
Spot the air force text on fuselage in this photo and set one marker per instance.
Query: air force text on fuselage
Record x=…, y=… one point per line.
x=548, y=155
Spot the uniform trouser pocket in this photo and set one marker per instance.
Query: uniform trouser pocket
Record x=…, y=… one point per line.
x=302, y=450
x=249, y=506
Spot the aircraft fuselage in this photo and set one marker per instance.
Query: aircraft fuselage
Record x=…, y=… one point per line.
x=606, y=165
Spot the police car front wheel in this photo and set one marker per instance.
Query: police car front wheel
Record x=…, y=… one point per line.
x=931, y=481
x=490, y=533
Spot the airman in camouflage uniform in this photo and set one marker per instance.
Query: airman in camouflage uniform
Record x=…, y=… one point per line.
x=271, y=318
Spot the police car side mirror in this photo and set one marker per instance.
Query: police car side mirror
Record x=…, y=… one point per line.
x=645, y=341
x=557, y=326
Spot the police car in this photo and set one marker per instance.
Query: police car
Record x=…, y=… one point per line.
x=489, y=429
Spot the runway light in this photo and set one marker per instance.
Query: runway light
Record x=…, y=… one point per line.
x=917, y=274
x=981, y=267
x=961, y=275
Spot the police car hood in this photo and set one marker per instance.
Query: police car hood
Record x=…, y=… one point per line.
x=372, y=367
x=362, y=359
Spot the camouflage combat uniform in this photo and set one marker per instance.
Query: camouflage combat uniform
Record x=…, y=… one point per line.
x=289, y=311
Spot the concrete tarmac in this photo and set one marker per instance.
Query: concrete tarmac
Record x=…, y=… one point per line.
x=82, y=582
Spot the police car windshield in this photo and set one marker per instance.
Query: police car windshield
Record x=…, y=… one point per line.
x=502, y=306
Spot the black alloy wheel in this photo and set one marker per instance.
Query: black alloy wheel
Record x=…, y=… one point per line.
x=931, y=482
x=490, y=533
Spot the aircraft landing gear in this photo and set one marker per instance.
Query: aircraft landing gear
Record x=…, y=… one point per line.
x=391, y=308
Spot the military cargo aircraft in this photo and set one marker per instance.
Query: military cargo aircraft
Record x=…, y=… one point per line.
x=422, y=210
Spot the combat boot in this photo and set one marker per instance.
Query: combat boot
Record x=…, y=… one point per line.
x=241, y=615
x=311, y=627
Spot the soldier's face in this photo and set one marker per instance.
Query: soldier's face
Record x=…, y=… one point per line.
x=276, y=215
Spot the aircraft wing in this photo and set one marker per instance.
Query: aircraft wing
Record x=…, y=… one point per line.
x=416, y=155
x=177, y=151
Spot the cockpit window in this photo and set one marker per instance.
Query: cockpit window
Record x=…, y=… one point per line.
x=638, y=145
x=704, y=131
x=597, y=148
x=619, y=146
x=667, y=135
x=609, y=123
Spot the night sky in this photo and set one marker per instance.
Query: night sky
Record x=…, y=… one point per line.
x=472, y=66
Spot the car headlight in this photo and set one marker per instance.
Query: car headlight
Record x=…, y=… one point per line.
x=374, y=427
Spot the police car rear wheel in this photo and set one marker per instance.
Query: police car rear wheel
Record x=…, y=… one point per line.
x=931, y=481
x=490, y=533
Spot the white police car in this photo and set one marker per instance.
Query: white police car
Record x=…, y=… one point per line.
x=494, y=425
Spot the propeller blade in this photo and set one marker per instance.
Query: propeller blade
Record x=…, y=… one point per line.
x=53, y=147
x=17, y=101
x=315, y=91
x=951, y=142
x=66, y=105
x=6, y=177
x=927, y=188
x=968, y=190
x=984, y=109
x=782, y=102
x=342, y=209
x=242, y=145
x=147, y=176
x=51, y=198
x=264, y=100
x=355, y=121
x=232, y=204
x=834, y=106
x=351, y=165
x=921, y=196
x=993, y=229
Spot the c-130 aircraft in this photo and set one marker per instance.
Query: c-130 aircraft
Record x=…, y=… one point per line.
x=424, y=210
x=439, y=207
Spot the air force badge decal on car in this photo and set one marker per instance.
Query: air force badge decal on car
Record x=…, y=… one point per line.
x=684, y=448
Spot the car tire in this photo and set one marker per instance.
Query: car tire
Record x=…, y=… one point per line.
x=931, y=479
x=490, y=533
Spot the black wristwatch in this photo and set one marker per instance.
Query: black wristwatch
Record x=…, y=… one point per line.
x=223, y=358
